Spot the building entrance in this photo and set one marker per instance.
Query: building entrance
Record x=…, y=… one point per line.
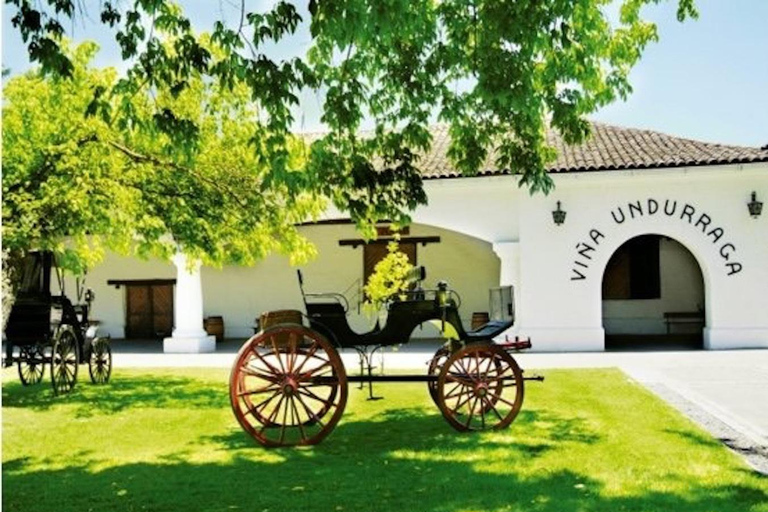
x=653, y=296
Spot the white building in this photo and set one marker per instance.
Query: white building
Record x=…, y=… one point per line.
x=658, y=239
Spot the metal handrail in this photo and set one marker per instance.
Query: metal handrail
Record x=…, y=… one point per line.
x=341, y=299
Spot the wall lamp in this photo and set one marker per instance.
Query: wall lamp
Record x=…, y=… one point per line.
x=559, y=215
x=755, y=206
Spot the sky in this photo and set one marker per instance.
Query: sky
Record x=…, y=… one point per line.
x=706, y=79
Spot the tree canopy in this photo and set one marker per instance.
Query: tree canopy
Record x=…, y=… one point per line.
x=160, y=141
x=76, y=184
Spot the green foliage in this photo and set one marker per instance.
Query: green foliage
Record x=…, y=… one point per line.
x=57, y=182
x=495, y=71
x=79, y=184
x=389, y=279
x=192, y=148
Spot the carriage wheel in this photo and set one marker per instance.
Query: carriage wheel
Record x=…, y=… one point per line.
x=435, y=365
x=324, y=408
x=480, y=387
x=288, y=386
x=311, y=419
x=100, y=361
x=31, y=365
x=64, y=361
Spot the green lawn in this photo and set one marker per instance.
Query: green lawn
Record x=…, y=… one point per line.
x=587, y=440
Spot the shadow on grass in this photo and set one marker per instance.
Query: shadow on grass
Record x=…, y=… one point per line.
x=413, y=429
x=120, y=394
x=365, y=466
x=402, y=460
x=694, y=437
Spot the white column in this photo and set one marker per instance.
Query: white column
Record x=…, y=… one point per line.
x=188, y=334
x=509, y=254
x=509, y=275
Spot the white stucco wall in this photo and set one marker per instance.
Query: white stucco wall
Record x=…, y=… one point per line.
x=487, y=208
x=240, y=294
x=682, y=289
x=109, y=306
x=556, y=270
x=559, y=289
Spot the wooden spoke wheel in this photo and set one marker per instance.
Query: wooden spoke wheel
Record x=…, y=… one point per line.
x=325, y=407
x=435, y=365
x=496, y=388
x=64, y=360
x=100, y=361
x=288, y=386
x=31, y=365
x=480, y=387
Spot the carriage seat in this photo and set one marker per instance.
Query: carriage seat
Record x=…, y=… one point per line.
x=489, y=330
x=315, y=309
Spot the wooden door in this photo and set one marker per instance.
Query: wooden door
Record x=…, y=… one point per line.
x=139, y=322
x=149, y=310
x=162, y=309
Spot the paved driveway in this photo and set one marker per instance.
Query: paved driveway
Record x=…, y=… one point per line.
x=731, y=384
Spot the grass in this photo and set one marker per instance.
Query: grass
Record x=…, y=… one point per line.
x=586, y=440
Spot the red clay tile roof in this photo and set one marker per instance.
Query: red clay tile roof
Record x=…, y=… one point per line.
x=608, y=148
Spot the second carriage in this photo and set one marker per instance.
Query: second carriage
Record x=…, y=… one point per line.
x=48, y=330
x=289, y=386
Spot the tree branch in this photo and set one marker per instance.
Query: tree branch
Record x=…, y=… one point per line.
x=141, y=158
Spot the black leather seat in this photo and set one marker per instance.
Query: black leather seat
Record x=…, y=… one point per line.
x=489, y=330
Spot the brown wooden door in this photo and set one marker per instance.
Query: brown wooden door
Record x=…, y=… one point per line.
x=139, y=322
x=149, y=310
x=162, y=308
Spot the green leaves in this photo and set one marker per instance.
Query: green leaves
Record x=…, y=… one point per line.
x=282, y=20
x=497, y=72
x=389, y=280
x=183, y=132
x=191, y=179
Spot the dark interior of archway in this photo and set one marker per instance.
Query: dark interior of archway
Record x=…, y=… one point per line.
x=653, y=292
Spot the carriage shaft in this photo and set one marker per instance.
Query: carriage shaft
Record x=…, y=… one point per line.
x=404, y=378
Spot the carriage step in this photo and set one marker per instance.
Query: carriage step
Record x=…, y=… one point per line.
x=517, y=344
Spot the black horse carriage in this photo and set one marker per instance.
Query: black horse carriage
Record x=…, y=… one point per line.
x=45, y=329
x=288, y=385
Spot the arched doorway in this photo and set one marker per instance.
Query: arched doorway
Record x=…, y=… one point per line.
x=653, y=296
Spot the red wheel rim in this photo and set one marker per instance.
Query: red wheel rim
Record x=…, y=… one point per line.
x=435, y=365
x=480, y=387
x=288, y=386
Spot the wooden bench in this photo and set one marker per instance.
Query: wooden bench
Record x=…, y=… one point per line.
x=683, y=317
